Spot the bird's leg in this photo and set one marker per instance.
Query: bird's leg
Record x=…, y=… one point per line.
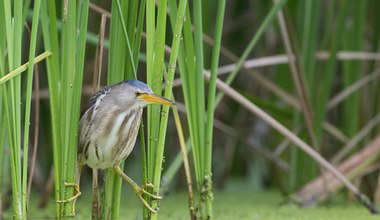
x=77, y=191
x=139, y=190
x=95, y=195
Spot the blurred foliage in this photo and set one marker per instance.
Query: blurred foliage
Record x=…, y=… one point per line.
x=335, y=45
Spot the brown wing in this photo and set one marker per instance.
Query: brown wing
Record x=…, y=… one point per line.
x=95, y=97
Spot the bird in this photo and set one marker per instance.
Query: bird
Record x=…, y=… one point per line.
x=108, y=128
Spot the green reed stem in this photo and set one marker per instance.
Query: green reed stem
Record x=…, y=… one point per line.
x=129, y=50
x=29, y=83
x=168, y=94
x=211, y=107
x=121, y=60
x=68, y=72
x=117, y=53
x=199, y=96
x=13, y=30
x=50, y=37
x=155, y=82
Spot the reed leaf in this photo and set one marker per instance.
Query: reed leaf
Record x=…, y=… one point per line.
x=177, y=32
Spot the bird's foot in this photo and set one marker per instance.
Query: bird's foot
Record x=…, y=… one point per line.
x=72, y=199
x=141, y=190
x=150, y=186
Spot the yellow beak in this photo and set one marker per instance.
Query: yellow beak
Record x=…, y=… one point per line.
x=153, y=98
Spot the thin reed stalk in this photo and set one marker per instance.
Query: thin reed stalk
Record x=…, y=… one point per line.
x=28, y=100
x=65, y=68
x=155, y=67
x=13, y=94
x=122, y=64
x=211, y=107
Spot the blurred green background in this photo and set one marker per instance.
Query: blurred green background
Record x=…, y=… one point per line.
x=311, y=65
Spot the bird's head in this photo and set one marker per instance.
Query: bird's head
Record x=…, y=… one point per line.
x=139, y=94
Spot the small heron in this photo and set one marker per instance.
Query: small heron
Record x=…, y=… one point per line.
x=108, y=129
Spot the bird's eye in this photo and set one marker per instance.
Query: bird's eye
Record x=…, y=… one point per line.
x=137, y=93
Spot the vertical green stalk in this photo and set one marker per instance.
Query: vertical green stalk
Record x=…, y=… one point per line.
x=211, y=106
x=16, y=99
x=186, y=69
x=121, y=12
x=192, y=97
x=352, y=69
x=309, y=19
x=50, y=37
x=29, y=83
x=139, y=28
x=168, y=94
x=65, y=72
x=125, y=35
x=131, y=36
x=12, y=94
x=327, y=78
x=150, y=36
x=13, y=30
x=68, y=57
x=116, y=69
x=200, y=94
x=3, y=121
x=76, y=85
x=144, y=171
x=374, y=88
x=190, y=89
x=191, y=74
x=125, y=16
x=155, y=62
x=2, y=42
x=129, y=10
x=3, y=100
x=150, y=45
x=155, y=82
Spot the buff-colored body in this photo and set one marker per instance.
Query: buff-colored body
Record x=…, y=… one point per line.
x=108, y=134
x=108, y=129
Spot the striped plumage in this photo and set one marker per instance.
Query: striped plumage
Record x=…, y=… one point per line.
x=110, y=123
x=107, y=135
x=108, y=129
